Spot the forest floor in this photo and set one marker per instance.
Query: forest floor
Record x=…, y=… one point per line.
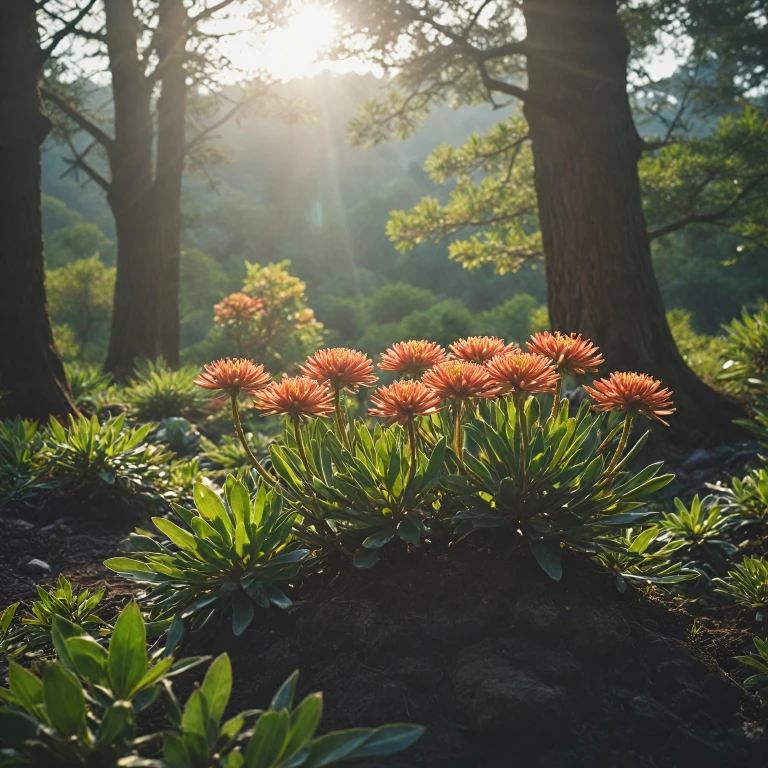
x=504, y=666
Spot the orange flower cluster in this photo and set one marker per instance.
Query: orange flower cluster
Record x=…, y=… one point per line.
x=460, y=380
x=234, y=376
x=296, y=396
x=340, y=368
x=522, y=372
x=569, y=352
x=481, y=349
x=237, y=308
x=403, y=401
x=412, y=357
x=632, y=393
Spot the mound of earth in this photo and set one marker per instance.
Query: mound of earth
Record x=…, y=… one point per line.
x=504, y=666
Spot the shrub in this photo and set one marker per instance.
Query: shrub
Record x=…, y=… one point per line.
x=63, y=601
x=747, y=585
x=21, y=457
x=97, y=457
x=11, y=635
x=760, y=663
x=637, y=556
x=82, y=711
x=158, y=393
x=746, y=369
x=270, y=320
x=747, y=497
x=226, y=557
x=700, y=529
x=89, y=385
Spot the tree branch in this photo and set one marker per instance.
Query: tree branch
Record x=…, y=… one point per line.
x=78, y=161
x=78, y=118
x=492, y=84
x=713, y=216
x=226, y=117
x=67, y=29
x=208, y=12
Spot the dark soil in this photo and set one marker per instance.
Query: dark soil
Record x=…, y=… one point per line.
x=76, y=550
x=504, y=666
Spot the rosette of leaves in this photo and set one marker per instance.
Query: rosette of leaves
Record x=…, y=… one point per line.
x=89, y=385
x=93, y=456
x=552, y=486
x=364, y=497
x=700, y=529
x=282, y=736
x=638, y=557
x=747, y=585
x=746, y=370
x=21, y=460
x=11, y=635
x=747, y=497
x=758, y=425
x=226, y=557
x=82, y=709
x=63, y=601
x=157, y=392
x=760, y=663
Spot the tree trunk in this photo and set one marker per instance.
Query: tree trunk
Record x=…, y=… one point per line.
x=32, y=379
x=586, y=149
x=171, y=113
x=135, y=329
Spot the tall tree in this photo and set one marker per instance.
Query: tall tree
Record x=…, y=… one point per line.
x=32, y=379
x=152, y=72
x=570, y=74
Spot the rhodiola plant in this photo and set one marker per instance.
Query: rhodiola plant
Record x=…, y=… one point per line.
x=225, y=558
x=480, y=434
x=552, y=480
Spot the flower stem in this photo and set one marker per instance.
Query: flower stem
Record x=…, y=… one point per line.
x=558, y=390
x=412, y=457
x=340, y=425
x=523, y=428
x=458, y=436
x=241, y=437
x=300, y=445
x=621, y=446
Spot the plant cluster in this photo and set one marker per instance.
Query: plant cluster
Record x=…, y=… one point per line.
x=474, y=437
x=157, y=392
x=86, y=457
x=83, y=708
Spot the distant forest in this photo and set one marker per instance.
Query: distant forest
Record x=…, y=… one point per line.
x=273, y=191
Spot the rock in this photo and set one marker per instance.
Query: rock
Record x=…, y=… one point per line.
x=36, y=568
x=698, y=457
x=57, y=526
x=498, y=700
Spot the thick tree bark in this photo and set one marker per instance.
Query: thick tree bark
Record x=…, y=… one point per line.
x=32, y=379
x=586, y=148
x=171, y=114
x=135, y=319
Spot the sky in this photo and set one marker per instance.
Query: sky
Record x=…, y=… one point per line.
x=296, y=50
